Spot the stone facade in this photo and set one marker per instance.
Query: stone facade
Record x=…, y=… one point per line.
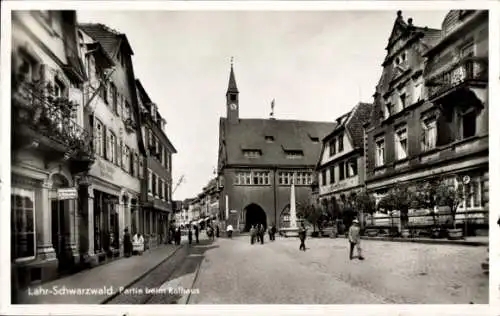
x=49, y=145
x=430, y=118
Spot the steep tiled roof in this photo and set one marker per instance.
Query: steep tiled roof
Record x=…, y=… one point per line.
x=353, y=123
x=232, y=82
x=288, y=135
x=354, y=126
x=110, y=39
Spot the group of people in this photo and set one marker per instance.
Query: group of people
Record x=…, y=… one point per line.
x=258, y=231
x=132, y=245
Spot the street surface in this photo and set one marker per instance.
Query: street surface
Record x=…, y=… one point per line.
x=277, y=272
x=235, y=272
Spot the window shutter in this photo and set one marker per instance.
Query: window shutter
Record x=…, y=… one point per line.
x=120, y=153
x=104, y=142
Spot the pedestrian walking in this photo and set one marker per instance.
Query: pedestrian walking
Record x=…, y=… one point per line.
x=127, y=243
x=217, y=231
x=262, y=233
x=229, y=230
x=355, y=239
x=190, y=236
x=196, y=234
x=273, y=231
x=178, y=236
x=302, y=237
x=253, y=234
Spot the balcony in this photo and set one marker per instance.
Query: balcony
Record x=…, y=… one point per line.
x=468, y=72
x=130, y=125
x=47, y=123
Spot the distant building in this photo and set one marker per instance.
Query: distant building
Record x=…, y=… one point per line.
x=156, y=193
x=430, y=117
x=341, y=167
x=259, y=159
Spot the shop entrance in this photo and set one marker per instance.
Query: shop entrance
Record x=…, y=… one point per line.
x=59, y=212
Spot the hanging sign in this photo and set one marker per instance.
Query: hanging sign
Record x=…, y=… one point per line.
x=67, y=194
x=233, y=211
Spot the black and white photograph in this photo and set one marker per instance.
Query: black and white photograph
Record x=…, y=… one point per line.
x=206, y=156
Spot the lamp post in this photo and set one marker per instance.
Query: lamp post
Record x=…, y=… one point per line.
x=466, y=181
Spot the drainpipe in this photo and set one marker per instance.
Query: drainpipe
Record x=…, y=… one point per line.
x=276, y=220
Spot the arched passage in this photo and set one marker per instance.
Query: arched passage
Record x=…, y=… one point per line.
x=254, y=214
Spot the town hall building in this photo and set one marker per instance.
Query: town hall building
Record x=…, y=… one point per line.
x=259, y=159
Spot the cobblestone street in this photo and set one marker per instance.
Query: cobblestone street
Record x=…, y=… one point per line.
x=237, y=272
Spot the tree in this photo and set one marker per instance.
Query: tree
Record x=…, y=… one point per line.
x=451, y=196
x=399, y=198
x=313, y=214
x=365, y=203
x=425, y=197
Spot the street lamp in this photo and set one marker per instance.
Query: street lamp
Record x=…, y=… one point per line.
x=466, y=181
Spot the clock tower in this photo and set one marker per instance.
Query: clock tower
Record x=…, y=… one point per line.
x=232, y=99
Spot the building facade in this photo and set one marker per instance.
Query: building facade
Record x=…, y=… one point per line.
x=111, y=198
x=157, y=183
x=259, y=159
x=50, y=147
x=430, y=117
x=341, y=165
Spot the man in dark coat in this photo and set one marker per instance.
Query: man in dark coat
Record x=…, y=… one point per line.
x=273, y=232
x=127, y=243
x=253, y=234
x=190, y=235
x=302, y=237
x=196, y=234
x=262, y=233
x=217, y=231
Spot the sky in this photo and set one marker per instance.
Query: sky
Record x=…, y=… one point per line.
x=317, y=65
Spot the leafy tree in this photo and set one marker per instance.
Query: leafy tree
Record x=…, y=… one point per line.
x=400, y=198
x=364, y=202
x=313, y=215
x=450, y=196
x=425, y=197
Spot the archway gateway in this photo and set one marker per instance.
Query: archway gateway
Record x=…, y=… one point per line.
x=254, y=214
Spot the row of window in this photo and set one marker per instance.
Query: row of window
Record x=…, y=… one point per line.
x=336, y=145
x=344, y=169
x=402, y=98
x=158, y=186
x=256, y=153
x=264, y=178
x=107, y=145
x=157, y=150
x=429, y=136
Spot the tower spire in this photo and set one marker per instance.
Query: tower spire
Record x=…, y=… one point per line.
x=232, y=88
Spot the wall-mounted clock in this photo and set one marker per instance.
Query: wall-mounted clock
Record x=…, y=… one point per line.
x=233, y=106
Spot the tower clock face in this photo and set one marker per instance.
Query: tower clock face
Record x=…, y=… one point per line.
x=233, y=106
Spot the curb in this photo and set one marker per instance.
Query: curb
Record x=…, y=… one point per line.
x=109, y=298
x=186, y=300
x=430, y=241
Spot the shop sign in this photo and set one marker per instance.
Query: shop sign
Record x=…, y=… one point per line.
x=233, y=211
x=67, y=194
x=105, y=170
